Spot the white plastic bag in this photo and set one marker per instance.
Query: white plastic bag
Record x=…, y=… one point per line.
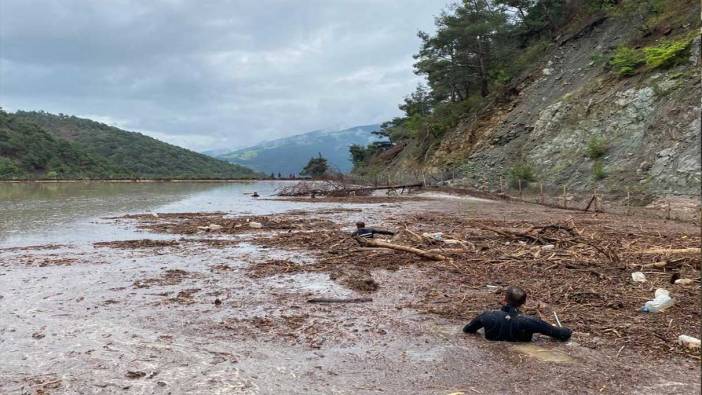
x=661, y=302
x=638, y=277
x=689, y=341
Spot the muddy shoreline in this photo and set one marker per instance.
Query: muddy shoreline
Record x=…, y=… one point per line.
x=221, y=306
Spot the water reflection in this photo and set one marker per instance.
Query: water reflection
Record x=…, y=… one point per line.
x=70, y=212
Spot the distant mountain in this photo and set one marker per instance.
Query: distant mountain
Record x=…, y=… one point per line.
x=290, y=154
x=43, y=145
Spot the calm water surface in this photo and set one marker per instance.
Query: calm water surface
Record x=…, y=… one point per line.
x=75, y=212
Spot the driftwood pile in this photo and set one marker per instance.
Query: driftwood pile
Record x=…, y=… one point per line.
x=580, y=268
x=337, y=188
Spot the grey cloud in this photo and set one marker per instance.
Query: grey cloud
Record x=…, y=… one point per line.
x=212, y=73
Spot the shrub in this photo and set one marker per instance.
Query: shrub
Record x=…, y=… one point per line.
x=521, y=172
x=598, y=172
x=596, y=147
x=8, y=168
x=626, y=60
x=667, y=53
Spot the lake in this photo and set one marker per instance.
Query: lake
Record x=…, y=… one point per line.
x=62, y=213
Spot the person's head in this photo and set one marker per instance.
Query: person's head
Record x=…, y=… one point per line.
x=515, y=296
x=360, y=224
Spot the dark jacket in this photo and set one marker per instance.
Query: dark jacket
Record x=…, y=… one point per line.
x=369, y=232
x=509, y=325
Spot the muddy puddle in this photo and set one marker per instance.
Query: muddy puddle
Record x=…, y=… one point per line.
x=125, y=310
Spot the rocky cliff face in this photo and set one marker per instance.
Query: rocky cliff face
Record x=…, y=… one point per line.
x=649, y=124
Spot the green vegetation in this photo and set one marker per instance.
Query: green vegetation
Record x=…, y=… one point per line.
x=596, y=147
x=316, y=167
x=475, y=58
x=38, y=145
x=27, y=151
x=521, y=172
x=626, y=60
x=667, y=53
x=598, y=172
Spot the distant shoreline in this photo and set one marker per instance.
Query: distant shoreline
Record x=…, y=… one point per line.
x=146, y=181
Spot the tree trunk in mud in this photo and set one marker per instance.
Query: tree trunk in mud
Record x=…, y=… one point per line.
x=385, y=244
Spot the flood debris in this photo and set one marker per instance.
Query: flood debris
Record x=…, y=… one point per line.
x=684, y=281
x=337, y=300
x=273, y=267
x=133, y=244
x=185, y=296
x=41, y=384
x=365, y=242
x=169, y=277
x=195, y=223
x=135, y=374
x=638, y=277
x=689, y=342
x=672, y=251
x=210, y=227
x=661, y=302
x=355, y=278
x=580, y=265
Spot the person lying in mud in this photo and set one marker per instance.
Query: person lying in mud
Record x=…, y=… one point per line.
x=508, y=324
x=362, y=231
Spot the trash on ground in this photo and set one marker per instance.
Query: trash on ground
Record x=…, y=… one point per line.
x=689, y=341
x=684, y=281
x=638, y=277
x=661, y=302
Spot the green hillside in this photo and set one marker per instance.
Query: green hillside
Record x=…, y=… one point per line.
x=40, y=145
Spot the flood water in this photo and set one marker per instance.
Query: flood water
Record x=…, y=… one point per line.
x=42, y=213
x=190, y=318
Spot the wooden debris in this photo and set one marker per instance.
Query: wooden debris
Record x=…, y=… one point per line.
x=333, y=300
x=384, y=244
x=691, y=251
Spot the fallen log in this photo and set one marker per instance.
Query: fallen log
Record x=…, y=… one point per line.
x=691, y=250
x=514, y=235
x=384, y=244
x=334, y=300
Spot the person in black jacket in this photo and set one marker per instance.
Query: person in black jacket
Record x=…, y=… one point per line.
x=508, y=324
x=362, y=231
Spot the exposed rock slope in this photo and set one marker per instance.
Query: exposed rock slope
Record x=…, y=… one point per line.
x=649, y=122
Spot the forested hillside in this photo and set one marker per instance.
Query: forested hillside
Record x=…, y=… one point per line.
x=27, y=151
x=41, y=145
x=580, y=93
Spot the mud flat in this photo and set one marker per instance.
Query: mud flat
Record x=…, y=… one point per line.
x=215, y=302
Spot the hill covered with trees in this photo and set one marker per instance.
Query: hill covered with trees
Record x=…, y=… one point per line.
x=578, y=93
x=36, y=145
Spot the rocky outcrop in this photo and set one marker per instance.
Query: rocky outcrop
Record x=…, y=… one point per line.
x=650, y=124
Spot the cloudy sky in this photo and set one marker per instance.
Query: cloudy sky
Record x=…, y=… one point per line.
x=212, y=74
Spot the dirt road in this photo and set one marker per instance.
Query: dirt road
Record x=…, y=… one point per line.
x=222, y=308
